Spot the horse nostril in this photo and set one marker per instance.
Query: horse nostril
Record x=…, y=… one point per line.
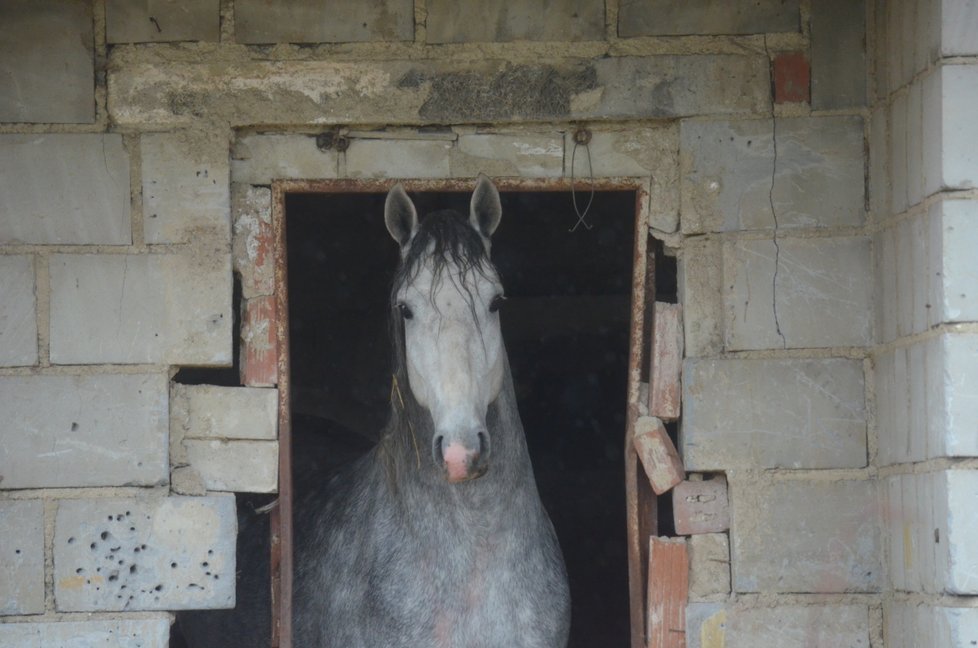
x=438, y=449
x=483, y=444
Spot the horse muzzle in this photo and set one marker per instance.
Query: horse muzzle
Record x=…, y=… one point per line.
x=463, y=457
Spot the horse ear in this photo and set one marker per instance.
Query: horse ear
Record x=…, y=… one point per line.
x=485, y=210
x=400, y=216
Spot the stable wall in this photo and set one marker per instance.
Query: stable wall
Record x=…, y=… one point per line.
x=134, y=174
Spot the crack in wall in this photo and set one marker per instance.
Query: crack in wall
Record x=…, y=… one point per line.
x=774, y=213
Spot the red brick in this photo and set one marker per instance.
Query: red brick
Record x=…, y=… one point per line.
x=792, y=78
x=701, y=506
x=665, y=401
x=658, y=454
x=668, y=593
x=259, y=343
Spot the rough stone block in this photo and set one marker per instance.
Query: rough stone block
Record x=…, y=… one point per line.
x=18, y=317
x=637, y=152
x=416, y=92
x=21, y=557
x=658, y=454
x=955, y=92
x=64, y=189
x=709, y=566
x=701, y=506
x=700, y=279
x=838, y=54
x=665, y=388
x=150, y=308
x=55, y=83
x=897, y=149
x=185, y=187
x=305, y=21
x=377, y=158
x=878, y=178
x=258, y=159
x=173, y=553
x=148, y=21
x=253, y=242
x=760, y=413
x=668, y=589
x=105, y=633
x=664, y=18
x=955, y=226
x=241, y=466
x=821, y=296
x=259, y=343
x=711, y=625
x=508, y=154
x=835, y=537
x=96, y=430
x=212, y=412
x=792, y=78
x=730, y=180
x=452, y=21
x=915, y=147
x=908, y=625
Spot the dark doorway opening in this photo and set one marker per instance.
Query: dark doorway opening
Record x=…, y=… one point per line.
x=566, y=327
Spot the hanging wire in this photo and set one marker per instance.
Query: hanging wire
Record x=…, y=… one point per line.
x=582, y=137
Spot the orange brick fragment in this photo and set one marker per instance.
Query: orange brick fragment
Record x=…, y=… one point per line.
x=665, y=400
x=658, y=454
x=668, y=593
x=701, y=506
x=259, y=342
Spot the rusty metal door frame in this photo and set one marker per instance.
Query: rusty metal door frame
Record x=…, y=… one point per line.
x=637, y=517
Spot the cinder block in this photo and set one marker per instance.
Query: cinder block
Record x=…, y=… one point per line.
x=64, y=189
x=212, y=412
x=897, y=148
x=754, y=413
x=701, y=506
x=908, y=625
x=253, y=244
x=792, y=78
x=668, y=589
x=700, y=279
x=303, y=21
x=636, y=152
x=508, y=154
x=823, y=292
x=153, y=632
x=173, y=553
x=150, y=308
x=449, y=91
x=21, y=557
x=18, y=316
x=665, y=389
x=838, y=54
x=952, y=160
x=96, y=430
x=664, y=18
x=709, y=566
x=259, y=343
x=56, y=84
x=962, y=532
x=185, y=187
x=258, y=159
x=953, y=416
x=711, y=625
x=451, y=21
x=730, y=180
x=658, y=454
x=834, y=527
x=369, y=158
x=957, y=228
x=240, y=466
x=160, y=20
x=956, y=27
x=879, y=194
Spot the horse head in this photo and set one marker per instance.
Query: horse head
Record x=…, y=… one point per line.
x=447, y=294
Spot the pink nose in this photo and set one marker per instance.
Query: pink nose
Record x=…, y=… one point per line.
x=457, y=460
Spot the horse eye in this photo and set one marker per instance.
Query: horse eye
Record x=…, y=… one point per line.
x=496, y=302
x=405, y=311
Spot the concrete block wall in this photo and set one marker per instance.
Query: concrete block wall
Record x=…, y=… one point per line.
x=923, y=177
x=126, y=213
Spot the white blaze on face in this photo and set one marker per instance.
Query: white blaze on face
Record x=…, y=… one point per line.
x=454, y=350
